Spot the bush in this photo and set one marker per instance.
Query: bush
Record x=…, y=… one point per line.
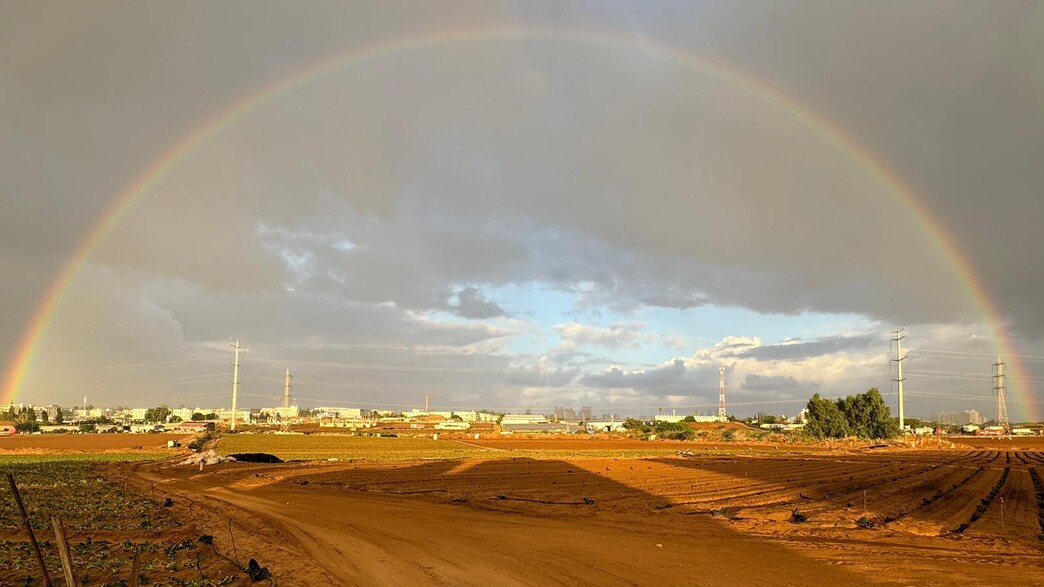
x=679, y=435
x=633, y=424
x=663, y=427
x=197, y=444
x=27, y=427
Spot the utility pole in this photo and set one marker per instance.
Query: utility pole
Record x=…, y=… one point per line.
x=899, y=358
x=235, y=385
x=426, y=404
x=721, y=392
x=998, y=388
x=286, y=388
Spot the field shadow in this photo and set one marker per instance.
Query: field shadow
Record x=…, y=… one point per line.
x=557, y=496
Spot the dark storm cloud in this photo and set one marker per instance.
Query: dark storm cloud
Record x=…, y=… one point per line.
x=804, y=350
x=777, y=385
x=353, y=205
x=616, y=377
x=471, y=304
x=680, y=302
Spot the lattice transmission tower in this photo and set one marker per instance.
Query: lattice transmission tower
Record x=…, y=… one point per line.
x=998, y=388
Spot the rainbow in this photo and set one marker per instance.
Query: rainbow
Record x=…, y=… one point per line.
x=41, y=320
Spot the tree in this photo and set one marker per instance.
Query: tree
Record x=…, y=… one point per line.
x=175, y=419
x=633, y=424
x=825, y=419
x=864, y=415
x=197, y=417
x=44, y=418
x=26, y=415
x=769, y=419
x=871, y=417
x=58, y=417
x=27, y=427
x=158, y=415
x=689, y=419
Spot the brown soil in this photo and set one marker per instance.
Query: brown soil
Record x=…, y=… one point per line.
x=86, y=443
x=933, y=517
x=1005, y=443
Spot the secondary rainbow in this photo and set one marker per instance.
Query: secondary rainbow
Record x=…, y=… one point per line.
x=29, y=343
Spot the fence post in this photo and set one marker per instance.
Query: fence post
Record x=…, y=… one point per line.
x=29, y=529
x=63, y=551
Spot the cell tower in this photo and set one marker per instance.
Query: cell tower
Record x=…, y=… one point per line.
x=899, y=358
x=287, y=379
x=998, y=388
x=721, y=392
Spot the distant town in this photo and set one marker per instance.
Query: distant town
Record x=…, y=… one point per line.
x=29, y=418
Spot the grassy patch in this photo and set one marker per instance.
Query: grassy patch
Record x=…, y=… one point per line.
x=292, y=447
x=7, y=460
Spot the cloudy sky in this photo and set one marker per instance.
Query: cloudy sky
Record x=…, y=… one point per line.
x=523, y=205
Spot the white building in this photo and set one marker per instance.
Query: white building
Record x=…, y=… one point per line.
x=511, y=419
x=606, y=426
x=226, y=414
x=184, y=413
x=281, y=413
x=343, y=413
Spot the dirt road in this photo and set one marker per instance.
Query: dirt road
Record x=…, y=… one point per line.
x=319, y=534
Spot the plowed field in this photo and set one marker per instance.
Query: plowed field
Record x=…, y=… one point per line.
x=518, y=514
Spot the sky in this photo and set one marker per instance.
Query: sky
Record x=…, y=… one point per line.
x=517, y=206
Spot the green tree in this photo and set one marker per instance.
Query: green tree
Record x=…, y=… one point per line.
x=878, y=416
x=769, y=419
x=633, y=424
x=158, y=415
x=26, y=415
x=864, y=415
x=27, y=427
x=44, y=418
x=58, y=416
x=825, y=419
